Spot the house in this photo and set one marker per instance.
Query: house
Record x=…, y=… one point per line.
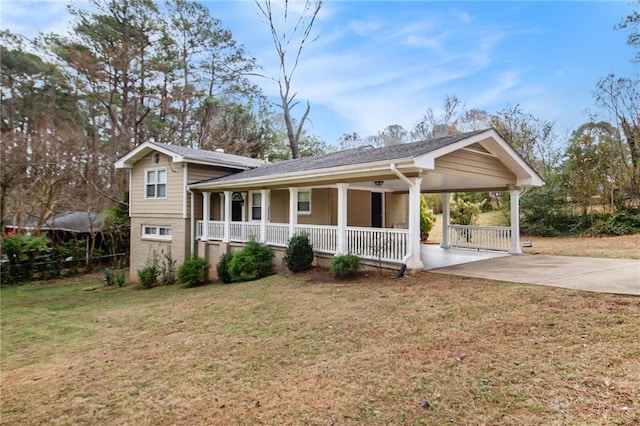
x=363, y=201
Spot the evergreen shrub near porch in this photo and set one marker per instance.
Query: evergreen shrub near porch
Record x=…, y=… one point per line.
x=299, y=254
x=254, y=261
x=345, y=266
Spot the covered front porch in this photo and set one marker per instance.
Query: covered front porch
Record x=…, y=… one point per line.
x=390, y=245
x=366, y=201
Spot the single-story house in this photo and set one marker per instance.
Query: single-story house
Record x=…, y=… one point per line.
x=364, y=201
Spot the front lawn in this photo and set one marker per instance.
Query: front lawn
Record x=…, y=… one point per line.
x=304, y=349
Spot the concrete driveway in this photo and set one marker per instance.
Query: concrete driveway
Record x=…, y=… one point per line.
x=620, y=276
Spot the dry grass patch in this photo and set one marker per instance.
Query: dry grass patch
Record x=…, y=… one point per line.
x=305, y=349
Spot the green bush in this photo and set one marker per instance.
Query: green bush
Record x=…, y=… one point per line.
x=252, y=262
x=427, y=218
x=114, y=276
x=167, y=268
x=193, y=272
x=345, y=266
x=464, y=212
x=148, y=275
x=299, y=254
x=222, y=268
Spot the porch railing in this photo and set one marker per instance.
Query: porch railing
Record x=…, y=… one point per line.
x=378, y=243
x=480, y=237
x=370, y=243
x=324, y=238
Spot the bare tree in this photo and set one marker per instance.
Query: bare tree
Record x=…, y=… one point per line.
x=285, y=43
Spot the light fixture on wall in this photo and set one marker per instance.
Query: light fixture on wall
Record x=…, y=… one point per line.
x=378, y=182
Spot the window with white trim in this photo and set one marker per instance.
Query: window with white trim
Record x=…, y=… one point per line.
x=256, y=206
x=304, y=202
x=156, y=231
x=155, y=183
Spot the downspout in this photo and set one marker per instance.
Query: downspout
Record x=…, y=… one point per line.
x=406, y=180
x=192, y=224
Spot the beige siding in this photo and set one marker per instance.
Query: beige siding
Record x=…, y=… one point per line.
x=172, y=205
x=396, y=210
x=473, y=164
x=279, y=206
x=320, y=208
x=359, y=208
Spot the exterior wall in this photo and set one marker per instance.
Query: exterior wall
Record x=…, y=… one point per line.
x=396, y=206
x=143, y=248
x=163, y=207
x=320, y=208
x=280, y=206
x=358, y=208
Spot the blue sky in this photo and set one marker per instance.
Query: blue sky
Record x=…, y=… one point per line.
x=378, y=63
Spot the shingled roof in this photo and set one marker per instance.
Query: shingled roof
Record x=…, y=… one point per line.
x=192, y=154
x=188, y=155
x=361, y=155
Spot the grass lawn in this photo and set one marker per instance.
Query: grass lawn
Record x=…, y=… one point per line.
x=304, y=349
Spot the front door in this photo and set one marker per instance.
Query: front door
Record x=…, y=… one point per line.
x=376, y=209
x=236, y=207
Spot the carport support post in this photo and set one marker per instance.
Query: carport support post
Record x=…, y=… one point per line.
x=293, y=211
x=341, y=241
x=446, y=219
x=515, y=222
x=206, y=215
x=414, y=263
x=227, y=217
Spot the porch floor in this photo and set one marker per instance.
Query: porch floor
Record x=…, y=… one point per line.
x=433, y=256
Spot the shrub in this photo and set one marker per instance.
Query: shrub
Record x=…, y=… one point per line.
x=345, y=266
x=252, y=262
x=427, y=218
x=464, y=212
x=148, y=275
x=114, y=276
x=194, y=272
x=299, y=254
x=222, y=268
x=167, y=268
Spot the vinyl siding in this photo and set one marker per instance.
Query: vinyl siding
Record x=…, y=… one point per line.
x=396, y=206
x=171, y=206
x=473, y=165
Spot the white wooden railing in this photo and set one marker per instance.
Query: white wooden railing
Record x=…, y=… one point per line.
x=480, y=237
x=370, y=243
x=278, y=234
x=378, y=243
x=244, y=231
x=323, y=238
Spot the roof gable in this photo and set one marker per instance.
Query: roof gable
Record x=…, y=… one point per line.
x=182, y=154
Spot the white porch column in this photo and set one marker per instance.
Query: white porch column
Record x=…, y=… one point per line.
x=446, y=219
x=515, y=222
x=341, y=241
x=413, y=259
x=264, y=214
x=206, y=215
x=227, y=217
x=293, y=211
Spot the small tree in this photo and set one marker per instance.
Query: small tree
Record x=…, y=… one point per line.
x=299, y=254
x=464, y=212
x=427, y=218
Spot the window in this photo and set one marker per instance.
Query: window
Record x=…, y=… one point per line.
x=256, y=206
x=155, y=183
x=304, y=202
x=154, y=231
